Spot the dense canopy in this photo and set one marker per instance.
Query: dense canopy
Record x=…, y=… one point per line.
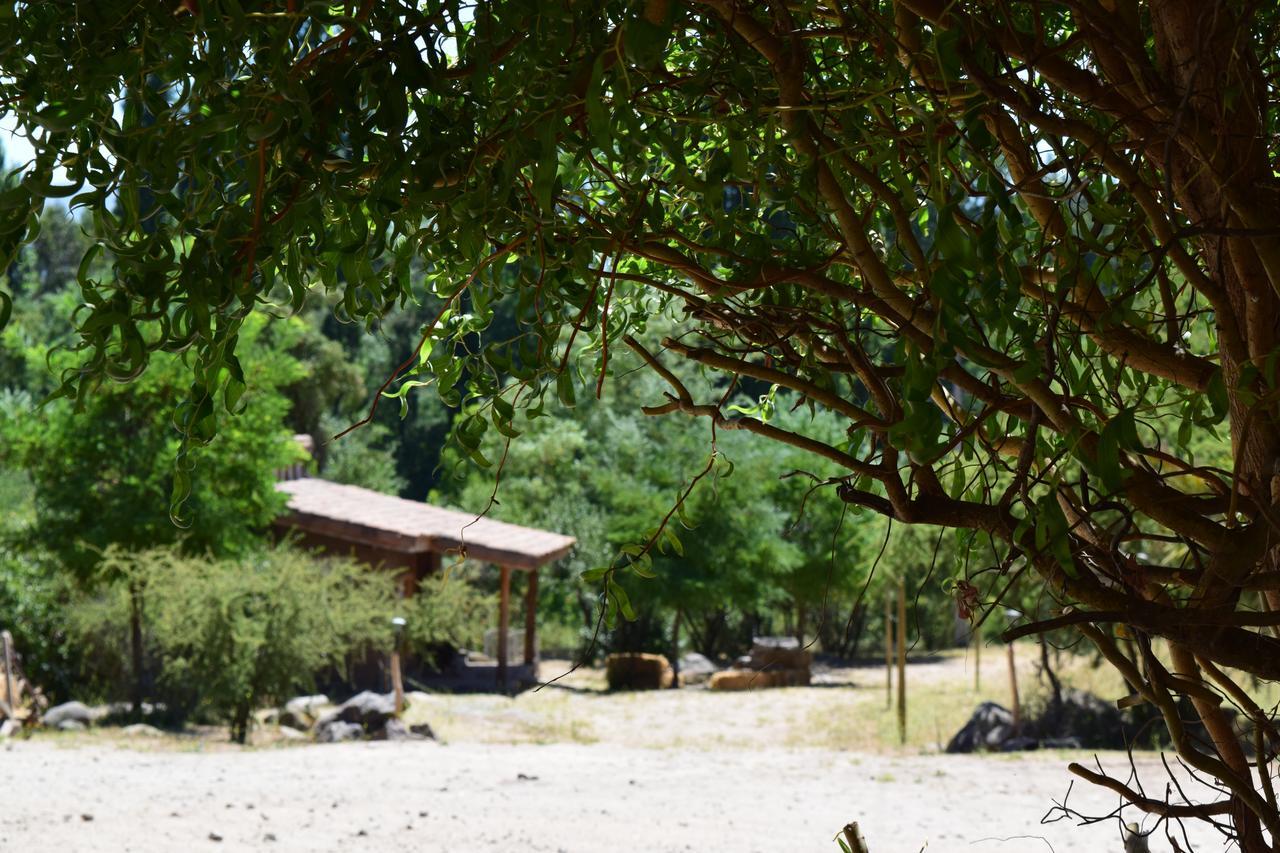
x=1025, y=251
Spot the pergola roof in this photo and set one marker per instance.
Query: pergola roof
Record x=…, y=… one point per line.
x=372, y=518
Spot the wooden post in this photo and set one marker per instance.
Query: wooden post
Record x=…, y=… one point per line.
x=504, y=624
x=397, y=681
x=888, y=650
x=1013, y=689
x=853, y=838
x=6, y=640
x=675, y=651
x=530, y=617
x=977, y=660
x=902, y=661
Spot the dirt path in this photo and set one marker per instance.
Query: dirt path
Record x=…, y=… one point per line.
x=575, y=798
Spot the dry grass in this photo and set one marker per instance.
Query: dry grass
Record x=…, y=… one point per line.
x=844, y=710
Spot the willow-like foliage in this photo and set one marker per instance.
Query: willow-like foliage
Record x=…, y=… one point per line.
x=1026, y=250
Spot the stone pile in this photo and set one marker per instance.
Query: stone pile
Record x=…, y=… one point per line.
x=365, y=716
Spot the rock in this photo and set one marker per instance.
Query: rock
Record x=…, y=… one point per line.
x=393, y=729
x=368, y=709
x=71, y=726
x=68, y=711
x=1088, y=719
x=336, y=731
x=8, y=727
x=141, y=730
x=302, y=712
x=989, y=726
x=290, y=733
x=696, y=668
x=1018, y=744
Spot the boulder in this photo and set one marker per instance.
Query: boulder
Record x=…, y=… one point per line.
x=290, y=733
x=395, y=729
x=71, y=726
x=301, y=712
x=695, y=668
x=368, y=709
x=988, y=727
x=141, y=730
x=77, y=712
x=335, y=731
x=637, y=672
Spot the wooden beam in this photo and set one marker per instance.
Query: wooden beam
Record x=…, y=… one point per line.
x=530, y=617
x=504, y=623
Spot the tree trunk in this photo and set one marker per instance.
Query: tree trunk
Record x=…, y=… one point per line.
x=135, y=648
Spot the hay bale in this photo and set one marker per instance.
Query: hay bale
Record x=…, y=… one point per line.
x=750, y=679
x=734, y=679
x=770, y=653
x=637, y=672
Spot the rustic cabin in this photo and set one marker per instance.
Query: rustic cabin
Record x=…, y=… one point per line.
x=411, y=538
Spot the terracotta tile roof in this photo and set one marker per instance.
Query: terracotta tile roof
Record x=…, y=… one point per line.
x=373, y=518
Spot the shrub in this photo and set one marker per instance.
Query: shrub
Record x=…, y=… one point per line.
x=226, y=636
x=448, y=609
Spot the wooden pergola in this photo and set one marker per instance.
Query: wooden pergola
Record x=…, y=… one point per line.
x=390, y=532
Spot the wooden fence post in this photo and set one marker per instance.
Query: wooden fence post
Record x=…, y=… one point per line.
x=888, y=649
x=504, y=625
x=977, y=660
x=1013, y=688
x=902, y=661
x=6, y=640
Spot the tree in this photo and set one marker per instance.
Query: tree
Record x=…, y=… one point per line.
x=1003, y=242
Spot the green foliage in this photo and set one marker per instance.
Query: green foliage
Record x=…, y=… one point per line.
x=362, y=458
x=103, y=475
x=744, y=543
x=943, y=225
x=226, y=636
x=448, y=608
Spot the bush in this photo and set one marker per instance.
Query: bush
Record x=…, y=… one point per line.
x=448, y=609
x=226, y=636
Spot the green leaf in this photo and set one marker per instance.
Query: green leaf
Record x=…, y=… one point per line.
x=564, y=389
x=619, y=595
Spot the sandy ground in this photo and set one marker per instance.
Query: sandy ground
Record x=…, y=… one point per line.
x=578, y=771
x=560, y=797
